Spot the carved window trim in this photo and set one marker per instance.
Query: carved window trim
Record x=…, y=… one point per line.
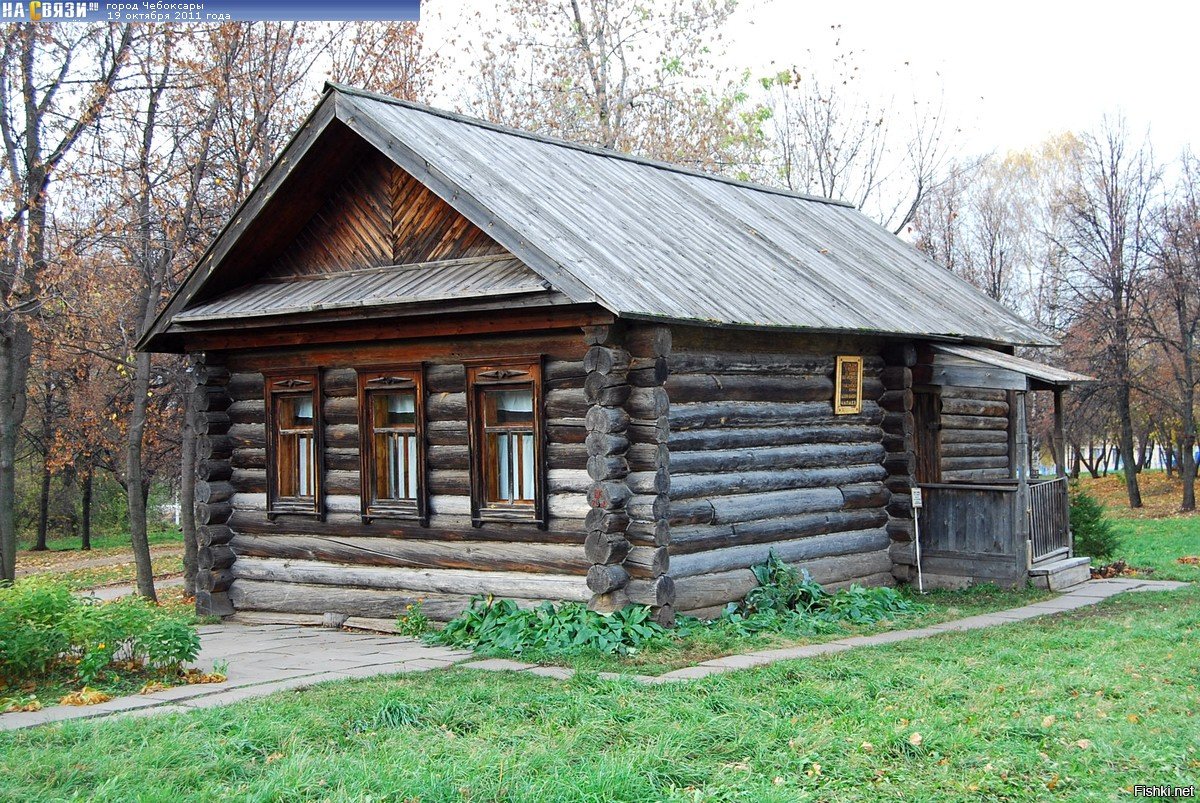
x=374, y=380
x=279, y=385
x=497, y=373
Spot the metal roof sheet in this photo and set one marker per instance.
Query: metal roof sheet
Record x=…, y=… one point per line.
x=651, y=240
x=396, y=285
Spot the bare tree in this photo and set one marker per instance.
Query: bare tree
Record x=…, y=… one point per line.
x=1106, y=205
x=824, y=136
x=1172, y=314
x=41, y=122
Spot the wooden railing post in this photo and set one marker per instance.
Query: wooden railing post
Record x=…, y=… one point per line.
x=1021, y=523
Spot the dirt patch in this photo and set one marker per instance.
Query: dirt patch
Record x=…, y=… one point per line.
x=1119, y=569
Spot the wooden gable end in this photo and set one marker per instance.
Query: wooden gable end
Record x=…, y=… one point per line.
x=379, y=215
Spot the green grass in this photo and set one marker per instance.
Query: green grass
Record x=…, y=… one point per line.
x=1076, y=707
x=1159, y=543
x=104, y=541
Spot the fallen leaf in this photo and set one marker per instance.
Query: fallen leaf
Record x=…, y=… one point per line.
x=915, y=739
x=1084, y=744
x=1047, y=721
x=1052, y=784
x=867, y=747
x=85, y=696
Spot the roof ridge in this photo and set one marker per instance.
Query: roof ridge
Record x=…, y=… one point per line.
x=590, y=149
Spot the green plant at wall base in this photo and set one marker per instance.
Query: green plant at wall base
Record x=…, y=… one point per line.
x=413, y=622
x=45, y=628
x=1094, y=535
x=500, y=625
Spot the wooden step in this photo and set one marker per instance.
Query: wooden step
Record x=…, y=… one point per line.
x=1059, y=575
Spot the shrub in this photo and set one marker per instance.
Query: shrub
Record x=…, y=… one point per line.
x=43, y=626
x=1094, y=534
x=413, y=622
x=498, y=625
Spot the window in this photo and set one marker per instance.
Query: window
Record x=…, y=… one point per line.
x=391, y=426
x=507, y=479
x=294, y=446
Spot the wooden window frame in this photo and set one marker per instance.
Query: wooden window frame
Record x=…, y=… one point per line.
x=383, y=379
x=276, y=385
x=497, y=373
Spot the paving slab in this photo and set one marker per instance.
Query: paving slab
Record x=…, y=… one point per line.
x=498, y=665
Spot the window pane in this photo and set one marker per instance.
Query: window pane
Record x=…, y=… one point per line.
x=295, y=412
x=509, y=407
x=395, y=466
x=394, y=410
x=296, y=465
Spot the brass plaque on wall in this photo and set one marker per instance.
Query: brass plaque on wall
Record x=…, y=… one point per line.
x=847, y=386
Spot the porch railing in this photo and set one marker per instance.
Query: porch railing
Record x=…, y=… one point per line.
x=1049, y=519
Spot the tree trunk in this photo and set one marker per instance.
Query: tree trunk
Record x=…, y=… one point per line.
x=135, y=480
x=44, y=490
x=1128, y=458
x=187, y=490
x=86, y=525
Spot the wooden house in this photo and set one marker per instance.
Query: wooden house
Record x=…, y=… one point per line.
x=441, y=358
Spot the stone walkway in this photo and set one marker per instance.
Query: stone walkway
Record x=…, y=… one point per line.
x=263, y=659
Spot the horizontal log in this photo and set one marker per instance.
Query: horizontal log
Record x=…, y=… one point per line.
x=215, y=558
x=647, y=372
x=211, y=371
x=647, y=403
x=648, y=341
x=644, y=431
x=607, y=467
x=212, y=423
x=217, y=580
x=342, y=482
x=978, y=394
x=214, y=492
x=248, y=411
x=340, y=382
x=719, y=588
x=601, y=520
x=608, y=391
x=605, y=548
x=650, y=507
x=436, y=581
x=249, y=480
x=974, y=436
x=340, y=410
x=608, y=495
x=446, y=407
x=603, y=334
x=776, y=457
x=248, y=436
x=445, y=378
x=566, y=404
x=217, y=513
x=974, y=407
x=734, y=414
x=685, y=388
x=351, y=524
x=647, y=456
x=249, y=458
x=606, y=360
x=699, y=538
x=795, y=551
x=895, y=377
x=598, y=443
x=897, y=400
x=213, y=535
x=655, y=592
x=975, y=475
x=602, y=579
x=446, y=433
x=342, y=459
x=865, y=495
x=974, y=462
x=606, y=420
x=213, y=470
x=261, y=595
x=903, y=463
x=649, y=533
x=245, y=385
x=973, y=422
x=650, y=482
x=341, y=436
x=646, y=561
x=901, y=529
x=754, y=506
x=898, y=423
x=209, y=398
x=728, y=362
x=427, y=554
x=751, y=437
x=696, y=486
x=997, y=449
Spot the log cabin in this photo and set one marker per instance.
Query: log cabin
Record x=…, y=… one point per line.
x=438, y=358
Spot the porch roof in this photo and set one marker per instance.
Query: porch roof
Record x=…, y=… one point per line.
x=977, y=367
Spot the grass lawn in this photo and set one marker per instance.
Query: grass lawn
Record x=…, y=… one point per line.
x=1156, y=536
x=1076, y=707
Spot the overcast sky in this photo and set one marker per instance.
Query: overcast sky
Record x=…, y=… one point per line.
x=1008, y=73
x=1011, y=73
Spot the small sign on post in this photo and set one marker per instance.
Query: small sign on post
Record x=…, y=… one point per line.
x=916, y=498
x=847, y=386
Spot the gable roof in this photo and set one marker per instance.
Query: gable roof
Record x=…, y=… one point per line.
x=644, y=239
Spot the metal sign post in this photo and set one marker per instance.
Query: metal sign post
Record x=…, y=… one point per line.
x=917, y=503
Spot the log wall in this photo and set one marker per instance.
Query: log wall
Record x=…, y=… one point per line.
x=343, y=565
x=974, y=435
x=759, y=463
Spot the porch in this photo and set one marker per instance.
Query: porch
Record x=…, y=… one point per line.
x=989, y=516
